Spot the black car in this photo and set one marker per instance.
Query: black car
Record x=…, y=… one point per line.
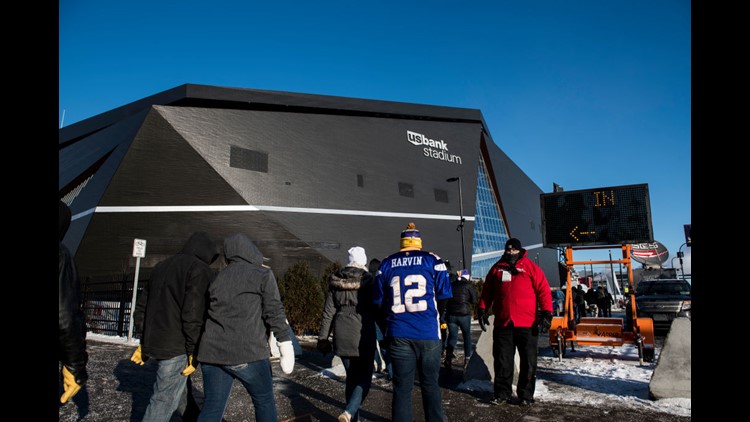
x=663, y=300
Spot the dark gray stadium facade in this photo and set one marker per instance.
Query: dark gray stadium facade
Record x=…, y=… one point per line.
x=305, y=176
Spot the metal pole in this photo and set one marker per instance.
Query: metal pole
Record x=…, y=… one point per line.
x=461, y=226
x=680, y=255
x=132, y=301
x=461, y=214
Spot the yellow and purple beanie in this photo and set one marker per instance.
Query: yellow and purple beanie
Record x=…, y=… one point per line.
x=410, y=238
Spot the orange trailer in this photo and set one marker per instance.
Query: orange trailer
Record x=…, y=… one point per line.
x=592, y=331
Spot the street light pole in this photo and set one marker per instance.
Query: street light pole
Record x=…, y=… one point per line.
x=680, y=255
x=461, y=215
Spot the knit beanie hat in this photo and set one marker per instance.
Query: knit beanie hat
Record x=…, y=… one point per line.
x=515, y=243
x=410, y=238
x=357, y=257
x=464, y=274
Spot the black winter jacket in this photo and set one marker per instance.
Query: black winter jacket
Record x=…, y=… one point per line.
x=71, y=333
x=464, y=296
x=349, y=312
x=170, y=310
x=244, y=300
x=578, y=297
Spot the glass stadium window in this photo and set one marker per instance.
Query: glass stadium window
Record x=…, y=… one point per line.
x=490, y=234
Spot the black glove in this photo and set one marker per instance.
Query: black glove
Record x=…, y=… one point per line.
x=484, y=319
x=544, y=319
x=324, y=346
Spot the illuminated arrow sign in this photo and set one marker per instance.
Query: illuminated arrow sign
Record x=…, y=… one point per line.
x=573, y=234
x=602, y=216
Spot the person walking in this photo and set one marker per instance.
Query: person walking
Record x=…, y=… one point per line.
x=515, y=287
x=579, y=302
x=71, y=331
x=459, y=310
x=243, y=301
x=382, y=356
x=604, y=302
x=408, y=284
x=441, y=306
x=169, y=314
x=591, y=297
x=349, y=317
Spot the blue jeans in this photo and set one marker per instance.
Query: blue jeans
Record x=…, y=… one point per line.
x=462, y=322
x=358, y=382
x=412, y=357
x=168, y=389
x=255, y=376
x=383, y=352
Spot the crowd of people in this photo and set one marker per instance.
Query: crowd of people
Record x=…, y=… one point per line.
x=404, y=312
x=594, y=302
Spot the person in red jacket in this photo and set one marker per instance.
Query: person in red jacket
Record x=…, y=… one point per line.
x=520, y=297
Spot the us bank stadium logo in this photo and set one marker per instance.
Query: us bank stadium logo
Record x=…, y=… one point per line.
x=432, y=148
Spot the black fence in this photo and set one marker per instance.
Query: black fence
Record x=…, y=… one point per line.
x=106, y=304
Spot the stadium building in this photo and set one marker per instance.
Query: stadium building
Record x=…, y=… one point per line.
x=305, y=176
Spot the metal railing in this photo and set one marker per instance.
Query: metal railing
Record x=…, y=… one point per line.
x=106, y=304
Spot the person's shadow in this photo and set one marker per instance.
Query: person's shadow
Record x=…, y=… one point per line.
x=139, y=382
x=81, y=400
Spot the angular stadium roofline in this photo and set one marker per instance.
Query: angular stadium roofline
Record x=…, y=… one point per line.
x=267, y=157
x=257, y=99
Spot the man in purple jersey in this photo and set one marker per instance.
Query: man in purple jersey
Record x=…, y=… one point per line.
x=407, y=287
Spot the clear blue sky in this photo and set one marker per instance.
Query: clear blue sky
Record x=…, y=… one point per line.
x=582, y=93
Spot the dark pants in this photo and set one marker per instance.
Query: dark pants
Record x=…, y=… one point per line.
x=505, y=341
x=358, y=382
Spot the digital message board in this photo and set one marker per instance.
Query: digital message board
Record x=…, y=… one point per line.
x=602, y=216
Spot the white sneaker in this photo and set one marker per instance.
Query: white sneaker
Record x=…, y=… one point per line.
x=345, y=417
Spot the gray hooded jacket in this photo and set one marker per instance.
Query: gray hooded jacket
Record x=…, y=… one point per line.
x=244, y=300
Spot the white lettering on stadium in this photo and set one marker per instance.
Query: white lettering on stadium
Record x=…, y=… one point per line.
x=433, y=149
x=407, y=261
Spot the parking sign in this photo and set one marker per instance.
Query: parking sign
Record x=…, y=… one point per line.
x=139, y=248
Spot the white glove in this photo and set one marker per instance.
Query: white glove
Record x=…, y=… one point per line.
x=287, y=356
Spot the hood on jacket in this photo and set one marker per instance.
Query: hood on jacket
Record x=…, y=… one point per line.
x=201, y=246
x=347, y=278
x=64, y=219
x=239, y=247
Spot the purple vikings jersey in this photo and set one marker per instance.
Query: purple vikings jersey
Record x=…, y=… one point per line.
x=408, y=286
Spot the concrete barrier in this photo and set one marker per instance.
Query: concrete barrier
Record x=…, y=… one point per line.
x=481, y=365
x=671, y=377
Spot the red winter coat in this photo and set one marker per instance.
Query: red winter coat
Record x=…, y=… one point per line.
x=516, y=300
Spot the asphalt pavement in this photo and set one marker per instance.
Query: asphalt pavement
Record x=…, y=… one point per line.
x=118, y=390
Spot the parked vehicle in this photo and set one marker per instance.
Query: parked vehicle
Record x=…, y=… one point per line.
x=663, y=300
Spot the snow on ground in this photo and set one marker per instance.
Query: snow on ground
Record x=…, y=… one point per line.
x=592, y=376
